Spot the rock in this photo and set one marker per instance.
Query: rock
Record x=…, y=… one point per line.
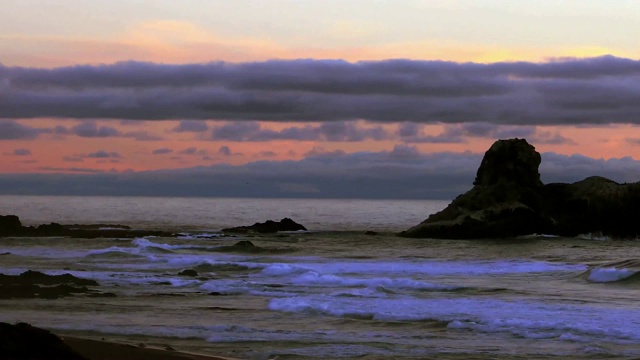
x=241, y=246
x=37, y=277
x=510, y=162
x=508, y=199
x=34, y=284
x=10, y=225
x=188, y=272
x=268, y=226
x=52, y=229
x=370, y=233
x=23, y=341
x=246, y=246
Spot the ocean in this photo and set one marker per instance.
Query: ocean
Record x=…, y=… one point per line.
x=333, y=291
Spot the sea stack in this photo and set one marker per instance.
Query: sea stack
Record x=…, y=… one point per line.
x=508, y=199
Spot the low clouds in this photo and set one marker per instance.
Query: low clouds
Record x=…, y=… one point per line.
x=331, y=131
x=402, y=172
x=569, y=91
x=11, y=130
x=19, y=152
x=101, y=154
x=458, y=133
x=191, y=126
x=162, y=151
x=91, y=129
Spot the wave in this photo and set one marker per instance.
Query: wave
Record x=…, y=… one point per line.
x=426, y=267
x=113, y=252
x=625, y=270
x=190, y=236
x=533, y=320
x=140, y=248
x=221, y=267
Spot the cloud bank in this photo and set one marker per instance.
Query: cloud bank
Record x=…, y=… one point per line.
x=569, y=91
x=402, y=173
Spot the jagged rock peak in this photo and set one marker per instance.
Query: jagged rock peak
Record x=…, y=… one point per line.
x=512, y=162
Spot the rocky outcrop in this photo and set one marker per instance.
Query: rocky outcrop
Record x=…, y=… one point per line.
x=23, y=341
x=10, y=225
x=508, y=199
x=34, y=284
x=247, y=247
x=268, y=226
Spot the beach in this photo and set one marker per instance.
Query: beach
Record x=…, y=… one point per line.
x=105, y=350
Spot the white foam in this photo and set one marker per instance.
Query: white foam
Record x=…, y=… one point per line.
x=606, y=274
x=240, y=287
x=521, y=318
x=425, y=267
x=198, y=236
x=312, y=278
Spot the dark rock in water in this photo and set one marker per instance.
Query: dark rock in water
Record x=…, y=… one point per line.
x=52, y=229
x=246, y=246
x=188, y=272
x=34, y=284
x=371, y=233
x=268, y=226
x=5, y=253
x=37, y=277
x=240, y=246
x=10, y=225
x=508, y=199
x=25, y=342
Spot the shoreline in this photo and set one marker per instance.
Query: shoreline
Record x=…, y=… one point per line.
x=105, y=350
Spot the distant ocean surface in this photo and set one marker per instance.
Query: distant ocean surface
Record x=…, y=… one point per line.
x=218, y=213
x=331, y=292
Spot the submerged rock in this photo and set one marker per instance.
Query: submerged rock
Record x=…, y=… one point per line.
x=23, y=341
x=188, y=272
x=508, y=199
x=34, y=284
x=268, y=226
x=246, y=246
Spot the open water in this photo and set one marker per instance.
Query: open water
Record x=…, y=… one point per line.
x=331, y=292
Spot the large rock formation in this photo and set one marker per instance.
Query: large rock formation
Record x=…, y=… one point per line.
x=508, y=199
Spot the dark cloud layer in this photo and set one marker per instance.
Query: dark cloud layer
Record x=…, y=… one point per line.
x=569, y=91
x=402, y=173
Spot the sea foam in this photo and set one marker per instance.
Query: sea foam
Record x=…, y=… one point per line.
x=526, y=319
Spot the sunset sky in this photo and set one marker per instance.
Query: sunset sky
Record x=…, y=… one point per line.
x=344, y=98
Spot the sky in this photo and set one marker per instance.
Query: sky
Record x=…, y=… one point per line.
x=319, y=99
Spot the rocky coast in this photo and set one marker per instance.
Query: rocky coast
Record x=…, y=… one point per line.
x=508, y=199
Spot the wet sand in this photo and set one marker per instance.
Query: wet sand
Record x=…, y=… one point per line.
x=105, y=350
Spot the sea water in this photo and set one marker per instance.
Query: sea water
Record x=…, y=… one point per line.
x=330, y=292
